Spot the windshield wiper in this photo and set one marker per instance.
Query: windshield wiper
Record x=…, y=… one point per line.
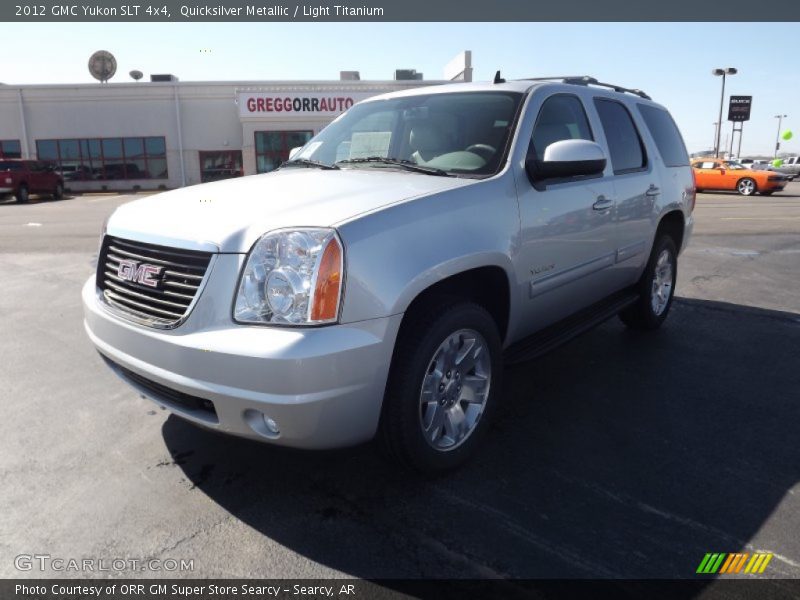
x=309, y=163
x=408, y=165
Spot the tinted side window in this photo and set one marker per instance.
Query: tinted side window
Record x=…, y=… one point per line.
x=561, y=118
x=665, y=133
x=624, y=143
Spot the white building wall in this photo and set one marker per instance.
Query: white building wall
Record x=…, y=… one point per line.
x=209, y=118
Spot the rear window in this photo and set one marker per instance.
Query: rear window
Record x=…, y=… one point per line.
x=666, y=135
x=10, y=166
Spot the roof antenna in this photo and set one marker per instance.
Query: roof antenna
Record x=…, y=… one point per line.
x=498, y=79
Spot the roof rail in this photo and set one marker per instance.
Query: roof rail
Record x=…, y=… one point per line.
x=588, y=80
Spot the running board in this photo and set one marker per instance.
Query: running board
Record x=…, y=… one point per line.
x=552, y=337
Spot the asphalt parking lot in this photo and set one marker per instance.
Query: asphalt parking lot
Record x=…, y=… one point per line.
x=618, y=455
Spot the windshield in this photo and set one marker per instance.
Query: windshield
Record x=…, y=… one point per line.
x=458, y=134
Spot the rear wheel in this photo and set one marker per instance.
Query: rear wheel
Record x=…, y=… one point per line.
x=656, y=288
x=443, y=386
x=746, y=187
x=22, y=194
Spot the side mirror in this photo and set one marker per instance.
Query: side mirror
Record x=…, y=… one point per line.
x=294, y=151
x=567, y=158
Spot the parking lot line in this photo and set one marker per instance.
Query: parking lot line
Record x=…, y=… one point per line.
x=760, y=218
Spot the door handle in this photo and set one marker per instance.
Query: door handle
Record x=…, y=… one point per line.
x=653, y=191
x=603, y=203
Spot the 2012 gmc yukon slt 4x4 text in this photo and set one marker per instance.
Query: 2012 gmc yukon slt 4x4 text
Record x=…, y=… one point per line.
x=376, y=283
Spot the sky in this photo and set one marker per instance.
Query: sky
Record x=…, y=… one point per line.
x=672, y=62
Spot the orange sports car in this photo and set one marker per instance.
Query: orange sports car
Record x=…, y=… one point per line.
x=718, y=174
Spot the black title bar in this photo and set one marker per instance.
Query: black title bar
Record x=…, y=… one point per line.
x=710, y=588
x=389, y=11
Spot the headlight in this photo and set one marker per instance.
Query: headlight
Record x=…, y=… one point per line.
x=292, y=277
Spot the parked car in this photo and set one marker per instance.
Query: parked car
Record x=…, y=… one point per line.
x=782, y=171
x=791, y=166
x=379, y=290
x=21, y=177
x=123, y=171
x=76, y=172
x=718, y=174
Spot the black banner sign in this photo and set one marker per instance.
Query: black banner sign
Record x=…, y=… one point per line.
x=739, y=108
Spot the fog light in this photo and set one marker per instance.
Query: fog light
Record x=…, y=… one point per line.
x=272, y=426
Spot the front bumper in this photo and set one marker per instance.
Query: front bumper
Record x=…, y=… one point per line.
x=323, y=386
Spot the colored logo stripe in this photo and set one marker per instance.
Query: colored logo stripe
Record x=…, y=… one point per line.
x=724, y=563
x=711, y=563
x=758, y=563
x=734, y=563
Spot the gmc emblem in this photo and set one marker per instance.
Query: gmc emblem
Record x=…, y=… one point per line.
x=130, y=270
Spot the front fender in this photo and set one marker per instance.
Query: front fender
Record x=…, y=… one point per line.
x=394, y=254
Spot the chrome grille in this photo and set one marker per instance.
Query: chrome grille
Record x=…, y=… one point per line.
x=169, y=297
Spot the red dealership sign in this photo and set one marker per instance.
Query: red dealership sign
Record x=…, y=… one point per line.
x=315, y=104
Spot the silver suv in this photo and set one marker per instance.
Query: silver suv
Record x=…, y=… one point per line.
x=379, y=280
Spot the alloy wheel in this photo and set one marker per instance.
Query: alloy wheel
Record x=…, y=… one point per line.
x=746, y=187
x=662, y=282
x=454, y=390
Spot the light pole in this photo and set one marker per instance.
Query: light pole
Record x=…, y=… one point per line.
x=714, y=143
x=778, y=136
x=723, y=73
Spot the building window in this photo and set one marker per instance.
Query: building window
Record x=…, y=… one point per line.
x=10, y=149
x=220, y=165
x=272, y=147
x=107, y=158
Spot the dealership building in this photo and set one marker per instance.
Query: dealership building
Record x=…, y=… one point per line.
x=166, y=133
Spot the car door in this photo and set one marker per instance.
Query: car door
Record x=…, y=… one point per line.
x=567, y=230
x=637, y=186
x=38, y=177
x=729, y=177
x=707, y=175
x=48, y=177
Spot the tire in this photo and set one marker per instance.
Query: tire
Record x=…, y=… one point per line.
x=651, y=309
x=746, y=186
x=429, y=388
x=58, y=192
x=22, y=194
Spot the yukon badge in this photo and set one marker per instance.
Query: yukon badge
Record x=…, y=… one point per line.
x=130, y=270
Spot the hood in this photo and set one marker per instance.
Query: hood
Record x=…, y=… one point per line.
x=232, y=214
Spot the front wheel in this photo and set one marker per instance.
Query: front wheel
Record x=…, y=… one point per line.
x=443, y=386
x=58, y=192
x=656, y=288
x=746, y=187
x=22, y=194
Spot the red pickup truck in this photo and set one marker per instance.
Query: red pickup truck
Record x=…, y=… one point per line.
x=24, y=177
